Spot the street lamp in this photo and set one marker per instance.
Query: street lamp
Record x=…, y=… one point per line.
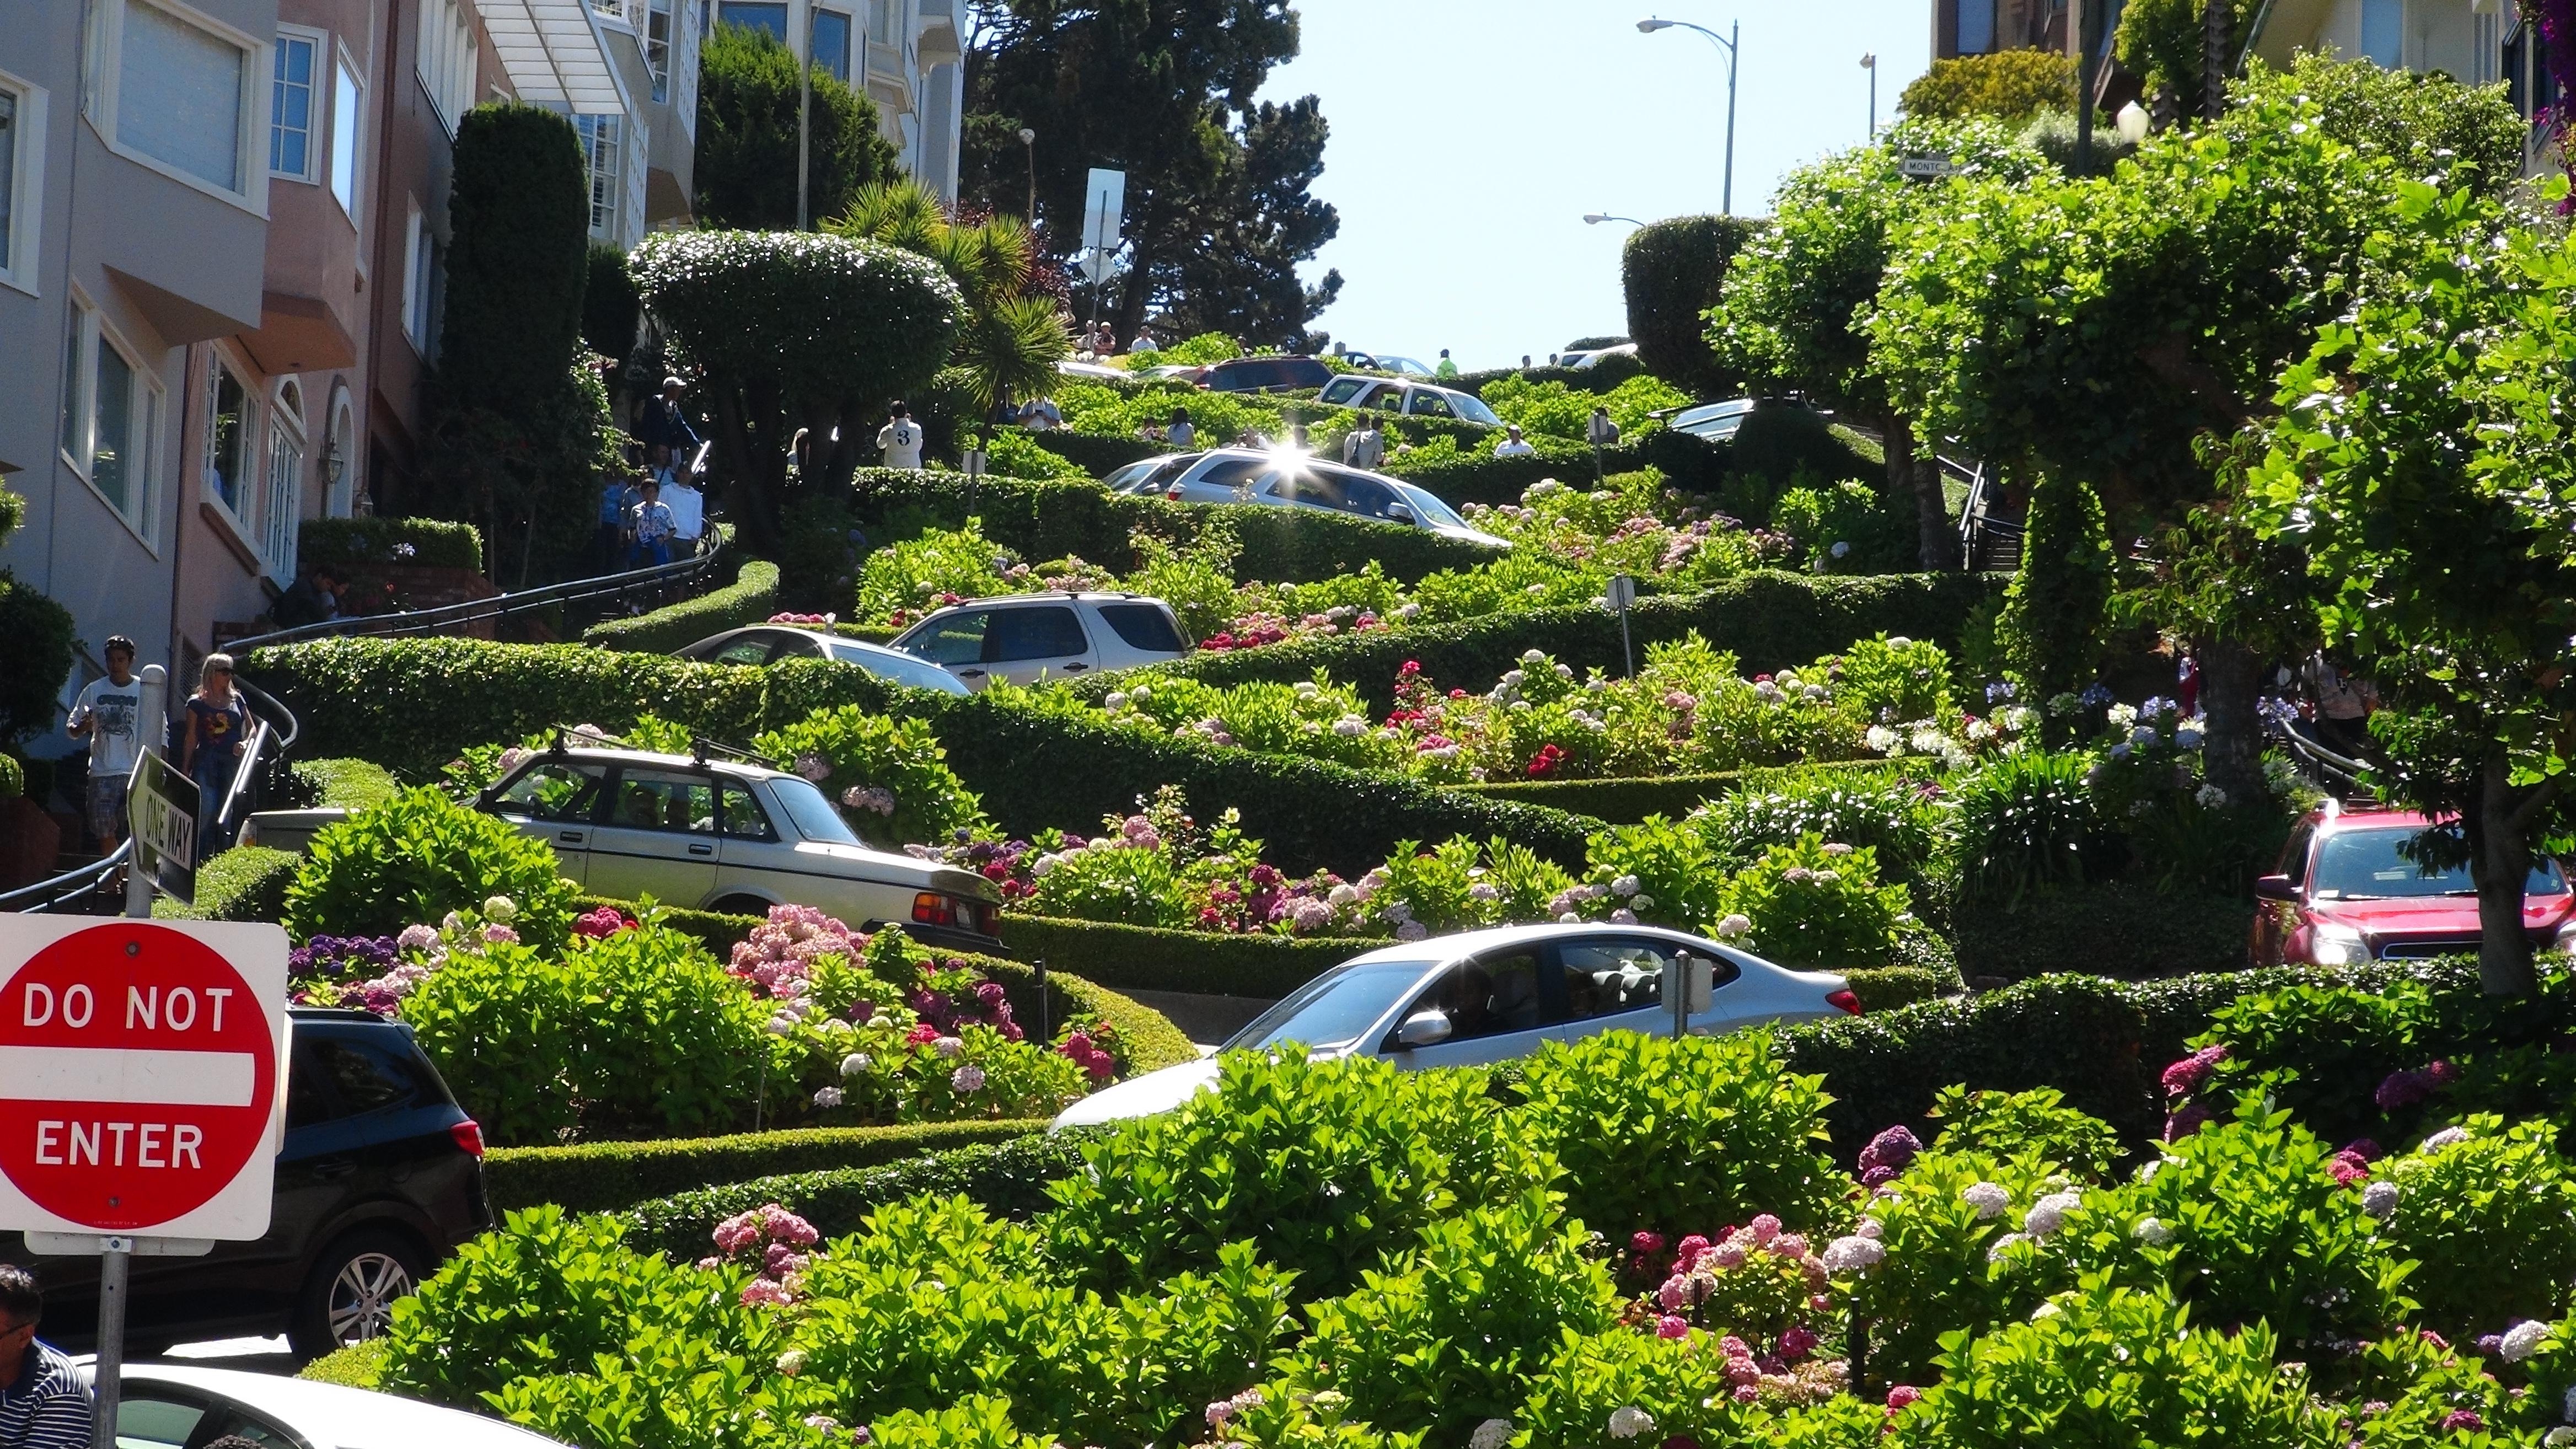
x=1870, y=63
x=1029, y=143
x=1726, y=42
x=1595, y=218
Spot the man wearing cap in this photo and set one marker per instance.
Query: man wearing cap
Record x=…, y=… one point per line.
x=664, y=430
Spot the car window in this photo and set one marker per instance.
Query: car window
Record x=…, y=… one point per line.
x=1475, y=411
x=144, y=1421
x=1333, y=1009
x=1144, y=626
x=892, y=664
x=1342, y=389
x=663, y=800
x=1045, y=632
x=952, y=639
x=551, y=790
x=747, y=649
x=1366, y=496
x=811, y=814
x=1608, y=978
x=308, y=1091
x=1430, y=509
x=800, y=646
x=743, y=817
x=1170, y=469
x=1430, y=405
x=367, y=1079
x=1490, y=996
x=2294, y=856
x=2371, y=864
x=1390, y=396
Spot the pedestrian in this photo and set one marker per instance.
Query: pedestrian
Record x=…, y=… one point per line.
x=217, y=730
x=1524, y=362
x=1602, y=432
x=108, y=714
x=1364, y=446
x=315, y=599
x=45, y=1398
x=2343, y=705
x=900, y=439
x=664, y=429
x=617, y=498
x=688, y=516
x=651, y=527
x=1513, y=444
x=1181, y=432
x=1144, y=341
x=1251, y=437
x=1041, y=415
x=1444, y=367
x=1297, y=437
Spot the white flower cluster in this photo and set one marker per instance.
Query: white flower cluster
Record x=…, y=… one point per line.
x=2049, y=1213
x=1988, y=1198
x=1630, y=1421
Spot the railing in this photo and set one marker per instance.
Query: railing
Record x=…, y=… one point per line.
x=451, y=617
x=2337, y=772
x=65, y=889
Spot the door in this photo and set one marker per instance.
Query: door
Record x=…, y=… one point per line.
x=554, y=800
x=750, y=848
x=955, y=642
x=657, y=838
x=1366, y=497
x=1615, y=983
x=1034, y=641
x=2274, y=921
x=1495, y=1010
x=1424, y=403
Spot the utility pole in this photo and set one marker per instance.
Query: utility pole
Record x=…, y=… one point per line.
x=1870, y=63
x=800, y=43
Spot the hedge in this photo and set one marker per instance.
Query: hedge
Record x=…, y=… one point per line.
x=1601, y=377
x=1770, y=621
x=1007, y=1177
x=1886, y=988
x=1671, y=272
x=358, y=1366
x=1045, y=518
x=245, y=883
x=751, y=598
x=1100, y=454
x=1626, y=801
x=413, y=704
x=2115, y=928
x=600, y=1176
x=354, y=545
x=1480, y=477
x=1144, y=958
x=342, y=784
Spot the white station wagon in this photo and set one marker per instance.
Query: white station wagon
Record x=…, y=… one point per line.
x=1480, y=997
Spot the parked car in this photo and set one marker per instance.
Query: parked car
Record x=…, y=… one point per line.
x=1265, y=374
x=1411, y=399
x=1147, y=475
x=1027, y=637
x=1386, y=362
x=768, y=643
x=1479, y=997
x=1300, y=480
x=709, y=833
x=378, y=1178
x=2346, y=891
x=1591, y=356
x=182, y=1406
x=1090, y=371
x=1717, y=421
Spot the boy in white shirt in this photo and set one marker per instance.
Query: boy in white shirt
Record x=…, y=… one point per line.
x=900, y=439
x=108, y=715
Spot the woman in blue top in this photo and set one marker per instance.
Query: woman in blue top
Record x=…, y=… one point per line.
x=217, y=728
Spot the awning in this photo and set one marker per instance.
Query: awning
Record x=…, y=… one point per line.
x=554, y=55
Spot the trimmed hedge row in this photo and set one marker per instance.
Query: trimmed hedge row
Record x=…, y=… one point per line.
x=598, y=1176
x=1630, y=800
x=749, y=599
x=1770, y=621
x=1143, y=958
x=1008, y=1177
x=414, y=704
x=1099, y=453
x=1483, y=478
x=1044, y=518
x=245, y=883
x=1671, y=271
x=343, y=784
x=357, y=545
x=1601, y=377
x=2116, y=928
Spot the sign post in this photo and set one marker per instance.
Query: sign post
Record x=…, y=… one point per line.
x=1622, y=593
x=161, y=808
x=150, y=728
x=142, y=1095
x=1104, y=206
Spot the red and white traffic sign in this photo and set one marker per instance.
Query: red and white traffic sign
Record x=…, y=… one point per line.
x=142, y=1075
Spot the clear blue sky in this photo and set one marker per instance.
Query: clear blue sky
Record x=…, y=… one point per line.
x=1469, y=137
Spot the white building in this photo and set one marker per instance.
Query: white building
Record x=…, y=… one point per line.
x=2477, y=41
x=907, y=56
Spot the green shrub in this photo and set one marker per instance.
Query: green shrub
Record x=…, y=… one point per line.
x=2491, y=1224
x=605, y=1176
x=354, y=547
x=1817, y=903
x=889, y=775
x=1095, y=455
x=1551, y=409
x=747, y=130
x=343, y=784
x=13, y=778
x=2051, y=624
x=1681, y=1385
x=639, y=1033
x=1138, y=958
x=751, y=598
x=610, y=307
x=2036, y=1123
x=417, y=857
x=245, y=883
x=1672, y=272
x=1881, y=805
x=1847, y=528
x=2026, y=822
x=2009, y=85
x=1476, y=476
x=358, y=1366
x=1885, y=988
x=514, y=274
x=2115, y=928
x=1731, y=1129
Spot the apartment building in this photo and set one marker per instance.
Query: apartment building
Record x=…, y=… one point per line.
x=907, y=56
x=2478, y=41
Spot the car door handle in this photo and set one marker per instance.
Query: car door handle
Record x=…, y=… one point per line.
x=1076, y=668
x=970, y=674
x=702, y=850
x=570, y=837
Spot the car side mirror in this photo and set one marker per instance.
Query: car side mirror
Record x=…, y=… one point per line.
x=1424, y=1028
x=485, y=797
x=1399, y=513
x=2275, y=888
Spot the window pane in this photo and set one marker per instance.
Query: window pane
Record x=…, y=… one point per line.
x=111, y=457
x=8, y=169
x=75, y=446
x=654, y=801
x=957, y=639
x=1144, y=626
x=346, y=116
x=743, y=817
x=226, y=438
x=832, y=42
x=1607, y=978
x=1047, y=633
x=2383, y=31
x=178, y=97
x=290, y=127
x=599, y=144
x=1976, y=26
x=551, y=791
x=368, y=1080
x=760, y=16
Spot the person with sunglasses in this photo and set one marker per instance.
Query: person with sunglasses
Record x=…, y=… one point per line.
x=45, y=1398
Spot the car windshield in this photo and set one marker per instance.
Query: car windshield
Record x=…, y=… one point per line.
x=895, y=665
x=813, y=815
x=2360, y=865
x=1474, y=410
x=1431, y=510
x=1331, y=1011
x=1708, y=417
x=1342, y=389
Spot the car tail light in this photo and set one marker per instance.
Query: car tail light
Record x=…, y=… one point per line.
x=1175, y=494
x=468, y=1137
x=1843, y=1001
x=932, y=909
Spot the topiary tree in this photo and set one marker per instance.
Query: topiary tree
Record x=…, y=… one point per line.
x=610, y=306
x=794, y=330
x=1672, y=273
x=2005, y=85
x=36, y=645
x=746, y=144
x=2051, y=626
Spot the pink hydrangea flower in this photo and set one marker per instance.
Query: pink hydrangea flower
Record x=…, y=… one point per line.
x=1765, y=1228
x=1902, y=1395
x=1670, y=1327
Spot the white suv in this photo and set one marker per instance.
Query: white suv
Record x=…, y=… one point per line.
x=1027, y=637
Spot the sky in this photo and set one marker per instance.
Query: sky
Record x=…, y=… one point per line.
x=1470, y=137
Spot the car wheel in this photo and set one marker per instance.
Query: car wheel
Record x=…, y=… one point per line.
x=349, y=1296
x=741, y=906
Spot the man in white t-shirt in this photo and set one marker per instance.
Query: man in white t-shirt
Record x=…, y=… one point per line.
x=1513, y=445
x=108, y=714
x=900, y=439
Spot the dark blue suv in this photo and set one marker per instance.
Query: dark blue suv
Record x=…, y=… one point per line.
x=379, y=1178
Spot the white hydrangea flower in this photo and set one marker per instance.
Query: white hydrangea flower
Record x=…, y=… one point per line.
x=792, y=1362
x=2153, y=1232
x=827, y=1097
x=1868, y=1228
x=1641, y=902
x=2524, y=1339
x=1880, y=738
x=2210, y=796
x=1629, y=1422
x=2049, y=1213
x=2044, y=1311
x=2559, y=1437
x=2567, y=1407
x=1625, y=885
x=1568, y=918
x=1854, y=1254
x=1491, y=1434
x=856, y=1063
x=1988, y=1198
x=1995, y=1252
x=2379, y=1199
x=1735, y=927
x=1117, y=700
x=1533, y=656
x=2447, y=1137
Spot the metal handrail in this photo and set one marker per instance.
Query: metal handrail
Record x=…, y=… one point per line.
x=474, y=611
x=85, y=880
x=1971, y=511
x=246, y=774
x=2330, y=767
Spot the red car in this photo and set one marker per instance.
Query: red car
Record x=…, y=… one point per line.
x=2346, y=893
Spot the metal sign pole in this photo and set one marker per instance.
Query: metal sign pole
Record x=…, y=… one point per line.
x=150, y=722
x=115, y=1255
x=1622, y=593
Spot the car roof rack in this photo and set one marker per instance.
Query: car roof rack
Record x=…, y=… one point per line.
x=700, y=747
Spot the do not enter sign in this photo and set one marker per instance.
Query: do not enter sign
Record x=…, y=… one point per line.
x=142, y=1076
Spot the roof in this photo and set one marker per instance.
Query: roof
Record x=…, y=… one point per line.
x=554, y=56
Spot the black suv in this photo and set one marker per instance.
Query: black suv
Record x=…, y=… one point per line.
x=378, y=1180
x=1265, y=374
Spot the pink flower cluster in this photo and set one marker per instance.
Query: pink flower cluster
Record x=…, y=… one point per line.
x=2352, y=1164
x=605, y=921
x=2192, y=1073
x=779, y=954
x=2404, y=1089
x=1096, y=1064
x=1888, y=1154
x=769, y=1237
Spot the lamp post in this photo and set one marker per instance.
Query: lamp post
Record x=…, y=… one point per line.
x=1870, y=63
x=800, y=44
x=1595, y=218
x=1029, y=144
x=1726, y=42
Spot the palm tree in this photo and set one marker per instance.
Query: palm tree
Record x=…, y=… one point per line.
x=1013, y=337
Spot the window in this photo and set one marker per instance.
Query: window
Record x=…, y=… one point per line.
x=1042, y=633
x=111, y=414
x=755, y=15
x=1494, y=996
x=348, y=120
x=1144, y=626
x=2486, y=46
x=228, y=429
x=1430, y=405
x=291, y=152
x=553, y=790
x=445, y=60
x=281, y=508
x=956, y=639
x=1342, y=390
x=657, y=47
x=743, y=817
x=22, y=161
x=648, y=800
x=600, y=137
x=750, y=650
x=831, y=46
x=174, y=92
x=1608, y=978
x=2383, y=32
x=1976, y=26
x=368, y=1080
x=2517, y=83
x=75, y=434
x=881, y=15
x=420, y=287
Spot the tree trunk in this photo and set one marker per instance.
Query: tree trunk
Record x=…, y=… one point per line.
x=1918, y=472
x=753, y=470
x=2231, y=681
x=2499, y=865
